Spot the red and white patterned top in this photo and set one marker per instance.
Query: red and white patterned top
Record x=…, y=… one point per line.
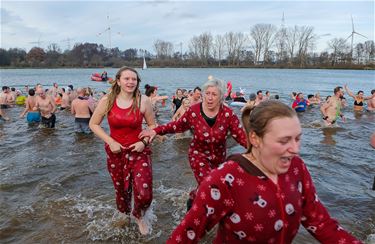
x=249, y=207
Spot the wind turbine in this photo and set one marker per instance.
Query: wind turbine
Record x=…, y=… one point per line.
x=352, y=36
x=108, y=29
x=68, y=40
x=37, y=42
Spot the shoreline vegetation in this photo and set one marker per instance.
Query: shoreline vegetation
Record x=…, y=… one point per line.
x=139, y=65
x=265, y=47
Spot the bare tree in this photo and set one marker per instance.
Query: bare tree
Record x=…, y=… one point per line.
x=218, y=48
x=370, y=51
x=194, y=48
x=201, y=46
x=306, y=40
x=240, y=43
x=231, y=44
x=257, y=35
x=268, y=39
x=163, y=49
x=291, y=41
x=263, y=36
x=281, y=44
x=205, y=46
x=359, y=53
x=338, y=46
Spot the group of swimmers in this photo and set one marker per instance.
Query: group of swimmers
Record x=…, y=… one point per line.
x=41, y=104
x=261, y=195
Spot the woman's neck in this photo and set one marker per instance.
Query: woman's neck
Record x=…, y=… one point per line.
x=210, y=112
x=125, y=96
x=254, y=158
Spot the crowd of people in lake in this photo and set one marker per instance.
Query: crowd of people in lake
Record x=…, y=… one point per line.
x=261, y=195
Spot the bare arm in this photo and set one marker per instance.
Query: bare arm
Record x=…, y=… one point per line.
x=149, y=114
x=36, y=106
x=350, y=93
x=96, y=120
x=52, y=102
x=159, y=98
x=177, y=114
x=369, y=97
x=27, y=108
x=72, y=110
x=325, y=106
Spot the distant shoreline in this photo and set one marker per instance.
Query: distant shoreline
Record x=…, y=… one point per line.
x=209, y=67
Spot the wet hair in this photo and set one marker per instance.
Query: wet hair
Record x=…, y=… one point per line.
x=256, y=118
x=294, y=93
x=149, y=89
x=310, y=96
x=13, y=89
x=116, y=89
x=337, y=89
x=215, y=83
x=88, y=91
x=260, y=91
x=71, y=87
x=373, y=91
x=360, y=91
x=252, y=97
x=328, y=97
x=277, y=96
x=31, y=92
x=5, y=88
x=267, y=92
x=178, y=89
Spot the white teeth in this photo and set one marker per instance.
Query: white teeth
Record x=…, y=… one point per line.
x=285, y=159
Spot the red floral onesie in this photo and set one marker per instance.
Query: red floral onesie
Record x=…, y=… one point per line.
x=130, y=171
x=249, y=207
x=208, y=147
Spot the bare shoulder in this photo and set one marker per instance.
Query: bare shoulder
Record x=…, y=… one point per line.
x=145, y=100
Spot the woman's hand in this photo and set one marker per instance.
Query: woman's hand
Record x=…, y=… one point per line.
x=147, y=133
x=137, y=147
x=115, y=147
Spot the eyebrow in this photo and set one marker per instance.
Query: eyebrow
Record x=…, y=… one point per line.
x=299, y=135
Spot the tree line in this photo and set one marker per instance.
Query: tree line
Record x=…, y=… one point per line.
x=264, y=46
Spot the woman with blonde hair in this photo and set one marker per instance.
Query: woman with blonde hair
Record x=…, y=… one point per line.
x=128, y=158
x=211, y=122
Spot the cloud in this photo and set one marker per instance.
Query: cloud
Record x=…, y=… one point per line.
x=7, y=17
x=140, y=23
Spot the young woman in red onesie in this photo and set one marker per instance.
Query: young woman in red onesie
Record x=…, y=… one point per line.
x=210, y=121
x=263, y=195
x=128, y=158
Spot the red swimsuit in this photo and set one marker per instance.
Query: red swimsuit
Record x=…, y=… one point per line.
x=129, y=170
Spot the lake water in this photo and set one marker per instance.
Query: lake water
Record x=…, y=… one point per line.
x=54, y=185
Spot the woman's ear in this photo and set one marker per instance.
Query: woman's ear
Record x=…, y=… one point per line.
x=254, y=139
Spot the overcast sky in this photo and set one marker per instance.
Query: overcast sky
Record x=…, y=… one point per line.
x=137, y=24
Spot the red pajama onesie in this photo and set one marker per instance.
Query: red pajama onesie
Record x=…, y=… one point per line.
x=208, y=147
x=249, y=207
x=130, y=171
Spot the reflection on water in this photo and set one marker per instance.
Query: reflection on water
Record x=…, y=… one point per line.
x=54, y=184
x=329, y=133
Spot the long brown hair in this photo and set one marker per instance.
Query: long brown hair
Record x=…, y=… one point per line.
x=116, y=89
x=256, y=118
